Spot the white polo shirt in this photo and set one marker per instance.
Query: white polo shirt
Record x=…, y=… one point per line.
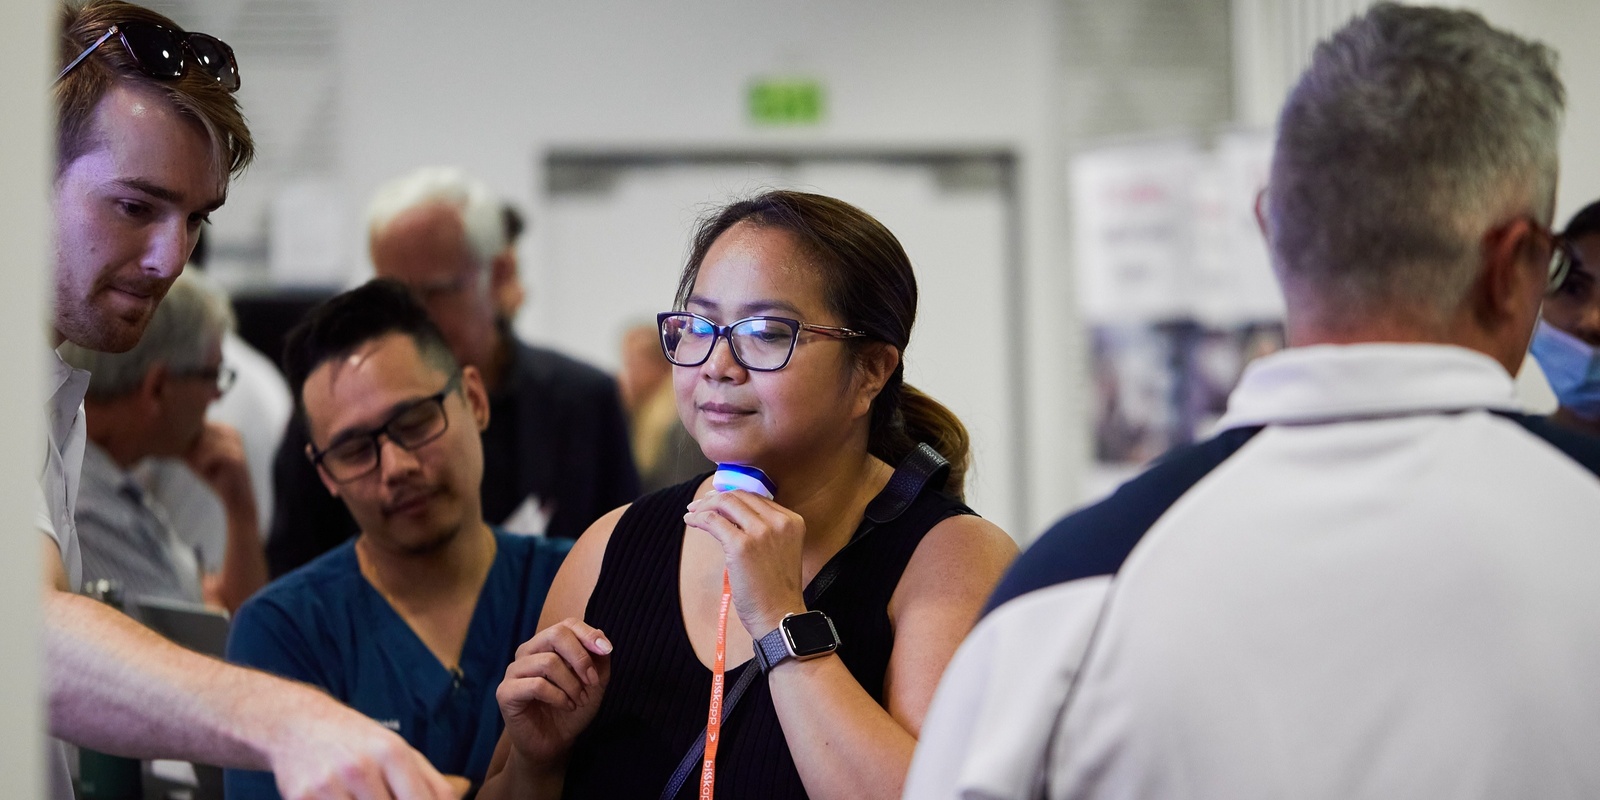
x=63, y=463
x=1378, y=581
x=57, y=502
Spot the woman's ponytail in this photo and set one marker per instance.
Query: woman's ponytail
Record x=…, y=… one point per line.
x=928, y=420
x=904, y=416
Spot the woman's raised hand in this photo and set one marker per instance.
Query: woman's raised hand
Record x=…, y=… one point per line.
x=552, y=690
x=762, y=542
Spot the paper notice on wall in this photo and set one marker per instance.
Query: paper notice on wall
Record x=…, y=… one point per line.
x=1131, y=225
x=1177, y=288
x=306, y=234
x=1167, y=231
x=1244, y=160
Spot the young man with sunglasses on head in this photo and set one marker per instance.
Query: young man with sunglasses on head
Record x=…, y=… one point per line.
x=148, y=136
x=414, y=621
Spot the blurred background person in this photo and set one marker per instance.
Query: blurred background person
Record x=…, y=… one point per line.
x=662, y=448
x=556, y=453
x=1567, y=341
x=508, y=292
x=413, y=621
x=258, y=407
x=151, y=401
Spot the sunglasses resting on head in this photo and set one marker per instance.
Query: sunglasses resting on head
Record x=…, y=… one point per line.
x=159, y=51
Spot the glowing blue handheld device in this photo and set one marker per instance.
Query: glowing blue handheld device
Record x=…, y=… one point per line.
x=738, y=476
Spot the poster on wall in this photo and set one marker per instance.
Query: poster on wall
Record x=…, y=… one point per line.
x=1163, y=385
x=1131, y=211
x=1176, y=286
x=1167, y=231
x=1134, y=382
x=1234, y=280
x=1211, y=361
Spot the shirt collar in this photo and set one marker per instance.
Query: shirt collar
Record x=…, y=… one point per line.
x=1325, y=383
x=101, y=471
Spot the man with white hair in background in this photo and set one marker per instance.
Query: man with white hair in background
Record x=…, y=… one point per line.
x=149, y=402
x=1378, y=580
x=148, y=135
x=556, y=453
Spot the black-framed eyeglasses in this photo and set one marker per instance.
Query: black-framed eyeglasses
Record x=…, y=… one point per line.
x=1562, y=257
x=158, y=51
x=760, y=344
x=222, y=375
x=358, y=453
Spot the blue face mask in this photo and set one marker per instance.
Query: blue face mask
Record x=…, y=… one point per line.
x=1572, y=366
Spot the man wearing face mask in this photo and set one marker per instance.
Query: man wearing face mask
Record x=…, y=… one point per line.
x=1567, y=341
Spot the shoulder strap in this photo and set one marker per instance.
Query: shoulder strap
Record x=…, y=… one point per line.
x=921, y=467
x=924, y=466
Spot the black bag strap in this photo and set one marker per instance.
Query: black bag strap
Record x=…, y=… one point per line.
x=917, y=470
x=921, y=467
x=691, y=759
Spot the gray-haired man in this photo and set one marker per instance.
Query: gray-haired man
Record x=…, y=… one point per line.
x=1378, y=580
x=151, y=401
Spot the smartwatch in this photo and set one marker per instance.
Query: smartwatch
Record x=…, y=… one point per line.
x=798, y=636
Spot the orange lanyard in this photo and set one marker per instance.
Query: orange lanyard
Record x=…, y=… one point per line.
x=719, y=665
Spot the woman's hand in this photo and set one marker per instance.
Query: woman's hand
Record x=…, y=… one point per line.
x=762, y=543
x=552, y=690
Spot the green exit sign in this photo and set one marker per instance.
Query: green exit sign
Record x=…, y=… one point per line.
x=786, y=102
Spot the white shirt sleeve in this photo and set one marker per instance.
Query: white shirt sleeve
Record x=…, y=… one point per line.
x=989, y=727
x=41, y=515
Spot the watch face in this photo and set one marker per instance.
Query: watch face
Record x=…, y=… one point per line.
x=810, y=634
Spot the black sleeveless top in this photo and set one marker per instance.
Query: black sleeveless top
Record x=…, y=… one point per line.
x=655, y=704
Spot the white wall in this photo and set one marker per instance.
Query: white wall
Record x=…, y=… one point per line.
x=1569, y=26
x=492, y=86
x=1273, y=38
x=25, y=173
x=501, y=81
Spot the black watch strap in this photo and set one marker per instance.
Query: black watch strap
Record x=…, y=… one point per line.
x=772, y=650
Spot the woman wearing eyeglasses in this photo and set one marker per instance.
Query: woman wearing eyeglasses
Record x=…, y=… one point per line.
x=851, y=591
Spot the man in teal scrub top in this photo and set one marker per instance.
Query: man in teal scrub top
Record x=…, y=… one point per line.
x=414, y=621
